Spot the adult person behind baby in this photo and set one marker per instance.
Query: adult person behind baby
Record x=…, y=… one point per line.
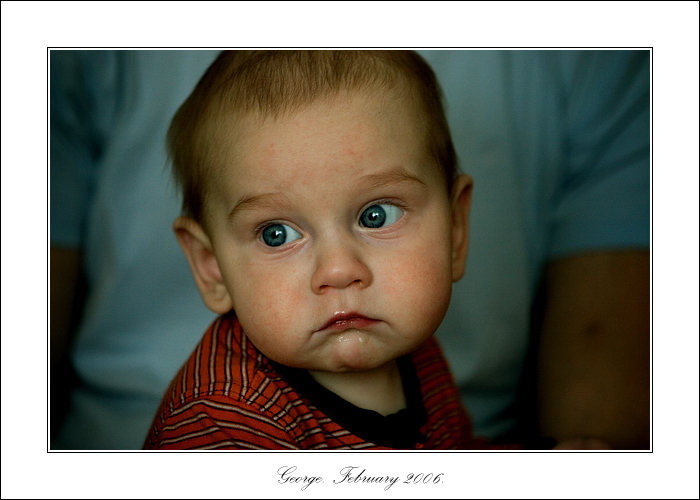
x=558, y=144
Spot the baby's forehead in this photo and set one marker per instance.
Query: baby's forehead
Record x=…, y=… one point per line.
x=347, y=123
x=243, y=140
x=376, y=106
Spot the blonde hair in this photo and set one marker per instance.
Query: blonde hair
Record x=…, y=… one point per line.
x=281, y=81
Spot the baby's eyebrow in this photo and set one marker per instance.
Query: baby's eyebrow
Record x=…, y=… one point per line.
x=258, y=201
x=367, y=182
x=391, y=177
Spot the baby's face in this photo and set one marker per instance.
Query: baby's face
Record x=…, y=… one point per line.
x=333, y=232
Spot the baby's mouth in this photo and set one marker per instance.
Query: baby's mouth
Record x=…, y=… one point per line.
x=345, y=321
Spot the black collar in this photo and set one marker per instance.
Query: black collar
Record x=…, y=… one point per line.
x=399, y=430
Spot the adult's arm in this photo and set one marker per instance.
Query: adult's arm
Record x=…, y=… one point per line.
x=65, y=303
x=64, y=273
x=594, y=355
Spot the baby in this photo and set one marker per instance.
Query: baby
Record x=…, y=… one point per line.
x=325, y=221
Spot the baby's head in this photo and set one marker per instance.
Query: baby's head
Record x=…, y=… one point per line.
x=270, y=84
x=322, y=202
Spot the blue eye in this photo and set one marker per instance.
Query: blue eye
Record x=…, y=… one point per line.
x=380, y=215
x=279, y=234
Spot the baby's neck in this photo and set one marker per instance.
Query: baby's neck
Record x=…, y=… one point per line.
x=379, y=389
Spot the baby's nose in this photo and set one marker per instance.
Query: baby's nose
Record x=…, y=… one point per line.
x=340, y=265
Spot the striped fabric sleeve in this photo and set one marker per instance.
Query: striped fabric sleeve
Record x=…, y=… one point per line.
x=218, y=423
x=219, y=400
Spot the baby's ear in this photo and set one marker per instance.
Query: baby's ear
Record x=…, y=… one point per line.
x=461, y=204
x=207, y=275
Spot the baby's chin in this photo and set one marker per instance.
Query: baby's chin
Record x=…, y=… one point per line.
x=355, y=350
x=340, y=352
x=352, y=351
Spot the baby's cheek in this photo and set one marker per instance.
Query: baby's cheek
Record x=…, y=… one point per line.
x=262, y=305
x=278, y=307
x=423, y=289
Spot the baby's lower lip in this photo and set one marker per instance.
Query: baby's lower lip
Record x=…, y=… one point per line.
x=346, y=324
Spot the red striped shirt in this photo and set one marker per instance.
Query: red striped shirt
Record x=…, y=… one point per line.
x=229, y=396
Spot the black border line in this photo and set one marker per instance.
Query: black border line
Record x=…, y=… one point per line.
x=651, y=227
